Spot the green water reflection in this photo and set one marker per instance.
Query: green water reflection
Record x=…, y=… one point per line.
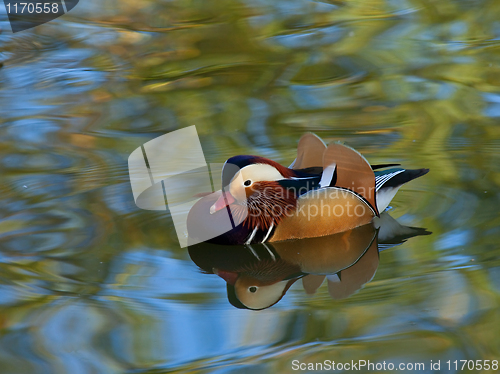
x=91, y=284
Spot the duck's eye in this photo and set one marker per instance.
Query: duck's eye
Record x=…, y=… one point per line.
x=252, y=289
x=247, y=183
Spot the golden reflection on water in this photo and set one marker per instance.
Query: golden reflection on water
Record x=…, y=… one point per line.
x=90, y=283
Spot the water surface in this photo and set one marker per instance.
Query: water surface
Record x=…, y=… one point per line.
x=92, y=284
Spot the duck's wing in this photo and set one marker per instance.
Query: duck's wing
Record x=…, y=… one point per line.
x=346, y=168
x=309, y=152
x=388, y=182
x=382, y=166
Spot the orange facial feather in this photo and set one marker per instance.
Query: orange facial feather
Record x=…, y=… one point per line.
x=268, y=203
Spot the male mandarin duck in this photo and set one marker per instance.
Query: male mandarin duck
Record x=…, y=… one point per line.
x=326, y=190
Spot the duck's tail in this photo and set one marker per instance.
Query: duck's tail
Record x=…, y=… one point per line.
x=388, y=182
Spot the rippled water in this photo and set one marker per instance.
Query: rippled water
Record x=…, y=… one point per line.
x=92, y=284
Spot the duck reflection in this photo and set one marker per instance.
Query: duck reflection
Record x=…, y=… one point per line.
x=258, y=276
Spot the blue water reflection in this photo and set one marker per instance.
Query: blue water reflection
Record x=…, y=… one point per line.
x=91, y=283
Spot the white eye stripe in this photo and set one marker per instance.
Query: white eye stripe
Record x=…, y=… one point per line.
x=258, y=173
x=255, y=173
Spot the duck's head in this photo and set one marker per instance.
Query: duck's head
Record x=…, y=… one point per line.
x=264, y=188
x=255, y=293
x=257, y=296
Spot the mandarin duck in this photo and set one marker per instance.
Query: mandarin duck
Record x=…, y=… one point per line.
x=259, y=275
x=326, y=190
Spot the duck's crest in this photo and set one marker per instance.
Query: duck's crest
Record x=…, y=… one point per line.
x=245, y=160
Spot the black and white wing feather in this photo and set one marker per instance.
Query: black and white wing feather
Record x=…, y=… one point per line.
x=388, y=182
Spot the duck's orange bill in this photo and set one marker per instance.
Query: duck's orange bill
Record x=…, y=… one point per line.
x=229, y=276
x=224, y=200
